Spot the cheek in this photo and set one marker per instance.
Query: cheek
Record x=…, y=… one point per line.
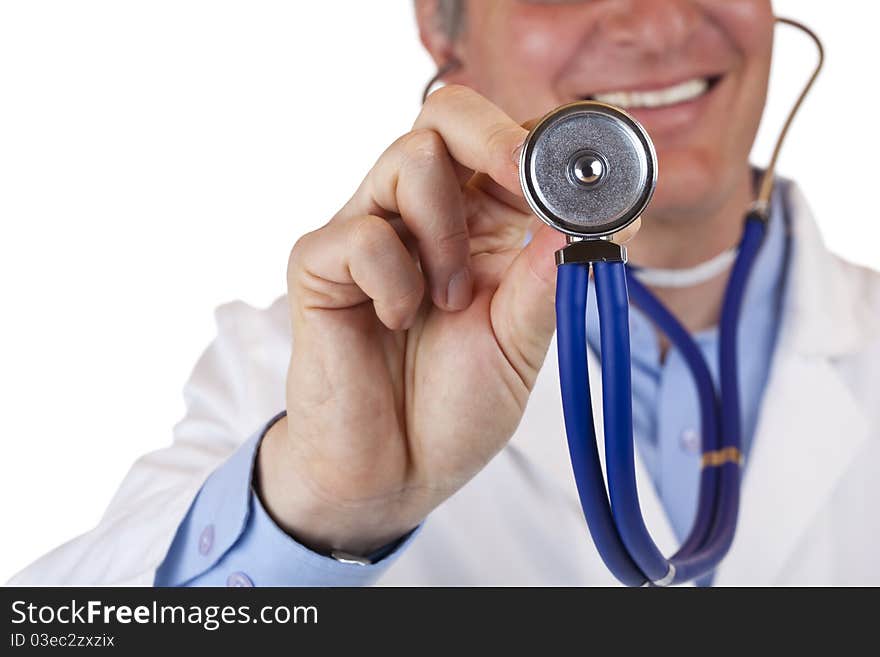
x=749, y=23
x=536, y=37
x=709, y=165
x=528, y=52
x=689, y=179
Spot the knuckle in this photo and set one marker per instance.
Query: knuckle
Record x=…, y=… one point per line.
x=424, y=146
x=450, y=93
x=370, y=234
x=401, y=307
x=297, y=252
x=453, y=241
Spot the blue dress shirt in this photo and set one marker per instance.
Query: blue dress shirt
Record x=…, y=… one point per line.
x=228, y=539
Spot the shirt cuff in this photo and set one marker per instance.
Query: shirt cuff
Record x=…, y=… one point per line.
x=228, y=539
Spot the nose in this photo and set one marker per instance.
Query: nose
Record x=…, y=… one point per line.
x=650, y=26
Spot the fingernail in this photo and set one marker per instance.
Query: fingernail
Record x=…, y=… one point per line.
x=459, y=290
x=517, y=153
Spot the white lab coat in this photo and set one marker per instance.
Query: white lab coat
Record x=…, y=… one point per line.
x=810, y=493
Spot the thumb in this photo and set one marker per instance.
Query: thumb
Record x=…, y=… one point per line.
x=523, y=312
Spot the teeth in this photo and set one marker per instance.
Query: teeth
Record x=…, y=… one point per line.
x=678, y=93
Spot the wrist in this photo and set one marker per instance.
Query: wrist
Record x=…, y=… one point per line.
x=311, y=514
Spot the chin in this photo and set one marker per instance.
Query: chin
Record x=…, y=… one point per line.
x=689, y=184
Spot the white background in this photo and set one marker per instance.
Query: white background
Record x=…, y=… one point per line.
x=158, y=158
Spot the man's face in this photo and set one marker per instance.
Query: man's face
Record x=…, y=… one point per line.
x=694, y=72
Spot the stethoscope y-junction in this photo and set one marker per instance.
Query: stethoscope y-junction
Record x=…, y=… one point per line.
x=589, y=170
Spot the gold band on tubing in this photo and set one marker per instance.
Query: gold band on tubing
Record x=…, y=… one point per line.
x=719, y=457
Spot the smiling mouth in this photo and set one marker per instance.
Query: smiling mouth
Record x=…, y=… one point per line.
x=675, y=94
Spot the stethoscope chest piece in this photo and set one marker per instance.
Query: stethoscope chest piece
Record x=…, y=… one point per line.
x=588, y=169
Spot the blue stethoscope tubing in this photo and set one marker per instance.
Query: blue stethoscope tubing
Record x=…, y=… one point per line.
x=616, y=524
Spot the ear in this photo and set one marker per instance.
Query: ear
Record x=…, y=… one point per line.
x=434, y=34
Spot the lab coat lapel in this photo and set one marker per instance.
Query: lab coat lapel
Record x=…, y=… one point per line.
x=810, y=427
x=801, y=449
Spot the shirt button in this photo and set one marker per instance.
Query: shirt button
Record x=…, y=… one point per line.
x=239, y=580
x=690, y=441
x=206, y=540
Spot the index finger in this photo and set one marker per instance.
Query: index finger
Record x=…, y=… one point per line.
x=477, y=134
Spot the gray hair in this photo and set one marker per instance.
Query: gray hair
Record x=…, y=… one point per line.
x=450, y=15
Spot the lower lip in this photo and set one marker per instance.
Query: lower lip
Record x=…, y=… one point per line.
x=674, y=118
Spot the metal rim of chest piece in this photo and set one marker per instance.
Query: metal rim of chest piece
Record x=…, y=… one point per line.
x=588, y=169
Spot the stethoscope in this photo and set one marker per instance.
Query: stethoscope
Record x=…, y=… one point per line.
x=589, y=169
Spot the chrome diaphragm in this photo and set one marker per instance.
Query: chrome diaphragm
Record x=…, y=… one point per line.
x=588, y=169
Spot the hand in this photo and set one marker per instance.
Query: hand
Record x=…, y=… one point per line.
x=419, y=323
